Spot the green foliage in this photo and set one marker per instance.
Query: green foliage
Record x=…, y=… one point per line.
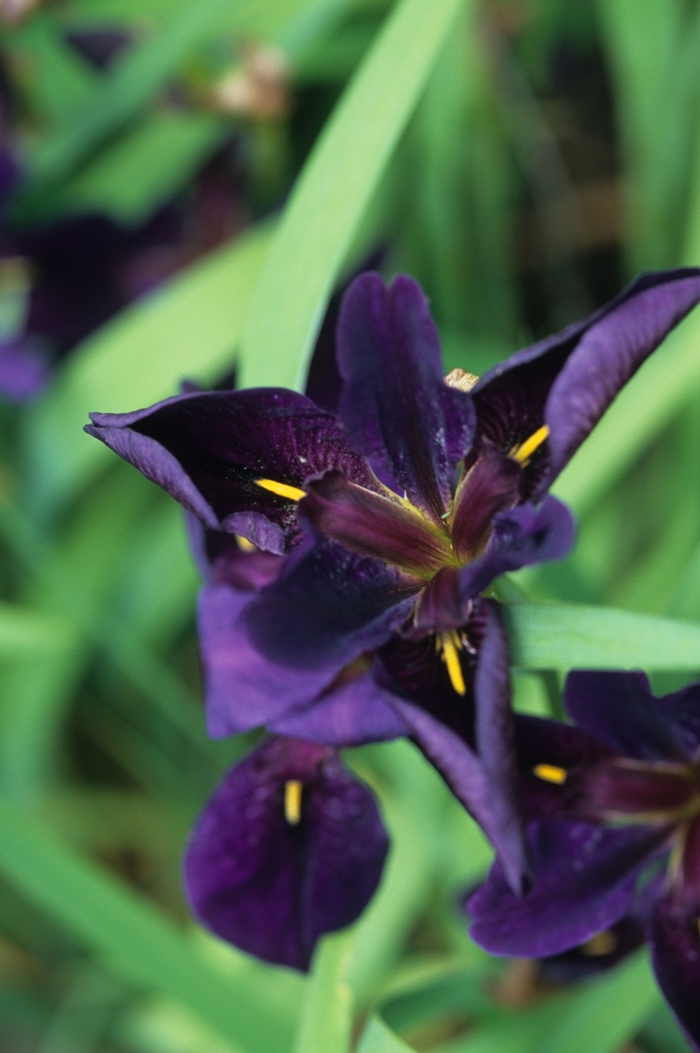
x=446, y=136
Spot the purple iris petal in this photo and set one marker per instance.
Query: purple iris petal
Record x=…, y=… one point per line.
x=243, y=688
x=569, y=380
x=581, y=963
x=584, y=882
x=682, y=709
x=346, y=714
x=523, y=536
x=468, y=738
x=490, y=486
x=24, y=369
x=272, y=885
x=221, y=560
x=208, y=449
x=675, y=954
x=620, y=710
x=395, y=405
x=327, y=606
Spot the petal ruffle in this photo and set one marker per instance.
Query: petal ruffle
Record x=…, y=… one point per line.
x=521, y=537
x=207, y=449
x=396, y=408
x=568, y=380
x=272, y=884
x=584, y=883
x=619, y=710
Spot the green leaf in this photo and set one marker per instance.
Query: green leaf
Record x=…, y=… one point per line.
x=567, y=635
x=606, y=1014
x=331, y=195
x=188, y=328
x=24, y=633
x=326, y=1017
x=377, y=1038
x=131, y=177
x=134, y=939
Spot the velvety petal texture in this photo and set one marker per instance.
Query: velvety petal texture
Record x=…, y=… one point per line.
x=208, y=449
x=469, y=738
x=272, y=878
x=619, y=710
x=568, y=380
x=584, y=882
x=395, y=406
x=327, y=607
x=243, y=688
x=675, y=956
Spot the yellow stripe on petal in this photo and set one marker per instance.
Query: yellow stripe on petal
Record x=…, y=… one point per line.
x=449, y=643
x=292, y=493
x=550, y=773
x=524, y=452
x=292, y=801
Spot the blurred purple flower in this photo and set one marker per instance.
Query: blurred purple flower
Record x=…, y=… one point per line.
x=289, y=847
x=80, y=270
x=614, y=810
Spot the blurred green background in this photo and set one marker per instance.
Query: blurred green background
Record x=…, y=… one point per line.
x=228, y=164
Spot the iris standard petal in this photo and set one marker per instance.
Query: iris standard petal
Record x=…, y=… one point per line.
x=619, y=710
x=521, y=537
x=674, y=940
x=584, y=882
x=568, y=380
x=327, y=607
x=208, y=449
x=243, y=689
x=270, y=874
x=396, y=408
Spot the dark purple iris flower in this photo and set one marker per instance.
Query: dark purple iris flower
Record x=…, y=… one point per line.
x=387, y=521
x=614, y=810
x=289, y=847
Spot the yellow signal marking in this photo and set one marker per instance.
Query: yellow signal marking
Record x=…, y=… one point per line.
x=550, y=773
x=524, y=452
x=292, y=801
x=293, y=493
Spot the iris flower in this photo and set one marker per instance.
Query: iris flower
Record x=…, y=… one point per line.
x=614, y=809
x=388, y=520
x=289, y=847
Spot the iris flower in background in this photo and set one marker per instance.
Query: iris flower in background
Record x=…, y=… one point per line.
x=59, y=281
x=389, y=520
x=614, y=810
x=289, y=847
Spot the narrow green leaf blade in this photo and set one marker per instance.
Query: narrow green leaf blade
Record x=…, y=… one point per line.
x=606, y=1014
x=326, y=1018
x=333, y=190
x=24, y=632
x=377, y=1038
x=568, y=635
x=142, y=945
